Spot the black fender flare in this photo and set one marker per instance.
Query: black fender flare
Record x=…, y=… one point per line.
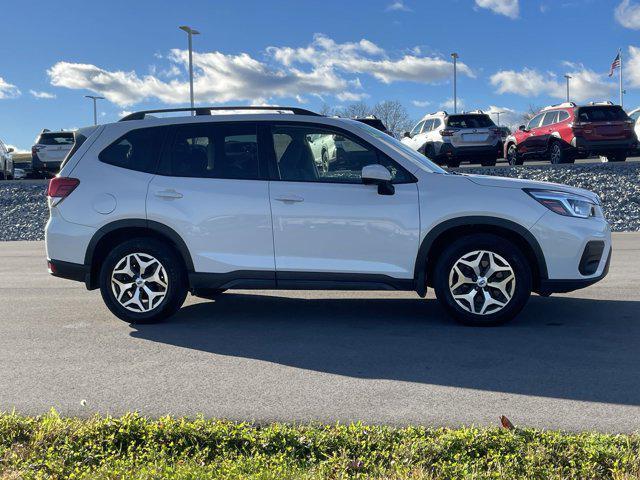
x=473, y=221
x=156, y=227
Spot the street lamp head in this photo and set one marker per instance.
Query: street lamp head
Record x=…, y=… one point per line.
x=455, y=55
x=94, y=97
x=568, y=77
x=189, y=30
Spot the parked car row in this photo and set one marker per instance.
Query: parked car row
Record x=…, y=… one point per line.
x=559, y=133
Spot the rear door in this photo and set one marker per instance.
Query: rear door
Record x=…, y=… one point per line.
x=53, y=147
x=329, y=225
x=212, y=190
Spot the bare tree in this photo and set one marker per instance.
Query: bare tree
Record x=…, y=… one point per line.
x=394, y=116
x=358, y=109
x=530, y=113
x=327, y=110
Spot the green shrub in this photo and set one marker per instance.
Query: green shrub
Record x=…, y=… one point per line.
x=140, y=448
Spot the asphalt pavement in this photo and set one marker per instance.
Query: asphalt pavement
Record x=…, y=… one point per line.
x=570, y=361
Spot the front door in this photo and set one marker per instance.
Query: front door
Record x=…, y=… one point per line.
x=328, y=222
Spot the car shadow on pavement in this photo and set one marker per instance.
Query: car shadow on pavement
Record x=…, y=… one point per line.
x=559, y=347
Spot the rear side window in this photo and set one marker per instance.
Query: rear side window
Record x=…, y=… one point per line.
x=215, y=151
x=601, y=114
x=469, y=121
x=137, y=150
x=563, y=115
x=63, y=138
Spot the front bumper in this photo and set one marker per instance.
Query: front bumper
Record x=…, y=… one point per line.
x=583, y=145
x=547, y=286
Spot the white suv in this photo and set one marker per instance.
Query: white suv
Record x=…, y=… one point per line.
x=7, y=169
x=148, y=209
x=449, y=138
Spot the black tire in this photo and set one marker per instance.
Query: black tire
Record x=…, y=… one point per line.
x=513, y=157
x=490, y=243
x=488, y=162
x=208, y=293
x=557, y=155
x=453, y=162
x=429, y=152
x=325, y=160
x=176, y=279
x=620, y=157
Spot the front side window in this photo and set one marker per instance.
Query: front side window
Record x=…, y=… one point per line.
x=417, y=128
x=215, y=151
x=535, y=121
x=310, y=154
x=136, y=150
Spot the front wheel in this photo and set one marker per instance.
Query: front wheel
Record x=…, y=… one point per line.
x=513, y=157
x=143, y=281
x=482, y=280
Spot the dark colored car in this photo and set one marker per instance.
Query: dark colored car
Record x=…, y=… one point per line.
x=375, y=123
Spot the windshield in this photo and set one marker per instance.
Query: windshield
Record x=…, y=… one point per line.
x=400, y=147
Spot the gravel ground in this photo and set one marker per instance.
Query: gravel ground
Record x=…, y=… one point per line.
x=23, y=207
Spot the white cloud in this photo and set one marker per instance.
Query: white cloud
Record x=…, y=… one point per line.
x=398, y=5
x=508, y=116
x=421, y=103
x=448, y=104
x=585, y=84
x=323, y=67
x=632, y=67
x=42, y=95
x=18, y=149
x=627, y=14
x=508, y=8
x=7, y=90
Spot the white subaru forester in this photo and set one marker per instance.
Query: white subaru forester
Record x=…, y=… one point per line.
x=148, y=209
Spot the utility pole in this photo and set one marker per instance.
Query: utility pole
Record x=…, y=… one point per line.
x=95, y=109
x=455, y=57
x=568, y=77
x=621, y=90
x=498, y=114
x=190, y=33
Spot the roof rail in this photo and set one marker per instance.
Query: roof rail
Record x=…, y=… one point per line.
x=607, y=102
x=560, y=105
x=439, y=112
x=207, y=111
x=475, y=111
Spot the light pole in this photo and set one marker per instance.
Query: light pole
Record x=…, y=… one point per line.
x=455, y=57
x=190, y=32
x=498, y=114
x=568, y=77
x=95, y=109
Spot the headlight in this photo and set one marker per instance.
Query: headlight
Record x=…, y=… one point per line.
x=567, y=204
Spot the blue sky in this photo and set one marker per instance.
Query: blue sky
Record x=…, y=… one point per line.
x=513, y=54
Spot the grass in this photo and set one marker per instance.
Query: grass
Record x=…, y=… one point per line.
x=134, y=447
x=21, y=159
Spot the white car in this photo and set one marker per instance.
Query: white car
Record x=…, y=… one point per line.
x=450, y=138
x=49, y=151
x=6, y=162
x=635, y=115
x=148, y=209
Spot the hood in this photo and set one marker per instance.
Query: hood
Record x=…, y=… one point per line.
x=504, y=182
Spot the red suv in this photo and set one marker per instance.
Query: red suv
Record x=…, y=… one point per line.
x=566, y=131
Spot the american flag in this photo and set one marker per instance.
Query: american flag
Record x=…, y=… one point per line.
x=615, y=64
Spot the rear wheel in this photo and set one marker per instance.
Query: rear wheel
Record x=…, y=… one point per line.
x=513, y=157
x=453, y=162
x=143, y=281
x=620, y=157
x=482, y=280
x=556, y=153
x=488, y=162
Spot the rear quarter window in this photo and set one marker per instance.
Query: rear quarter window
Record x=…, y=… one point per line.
x=136, y=150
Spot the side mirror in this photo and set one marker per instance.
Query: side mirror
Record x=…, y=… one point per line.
x=406, y=135
x=378, y=175
x=522, y=128
x=9, y=150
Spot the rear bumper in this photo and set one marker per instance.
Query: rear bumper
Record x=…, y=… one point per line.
x=39, y=166
x=604, y=146
x=68, y=270
x=448, y=150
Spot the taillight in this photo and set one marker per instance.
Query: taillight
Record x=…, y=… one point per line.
x=61, y=187
x=447, y=132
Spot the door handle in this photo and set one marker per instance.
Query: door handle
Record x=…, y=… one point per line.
x=168, y=194
x=290, y=199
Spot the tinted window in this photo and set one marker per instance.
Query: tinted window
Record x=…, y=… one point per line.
x=215, y=151
x=65, y=138
x=137, y=150
x=417, y=128
x=469, y=121
x=428, y=126
x=535, y=121
x=436, y=124
x=549, y=118
x=310, y=154
x=563, y=115
x=601, y=114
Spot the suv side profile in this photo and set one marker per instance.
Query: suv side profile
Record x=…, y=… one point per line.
x=148, y=209
x=49, y=151
x=450, y=138
x=564, y=132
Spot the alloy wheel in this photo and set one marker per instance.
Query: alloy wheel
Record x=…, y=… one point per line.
x=139, y=282
x=556, y=153
x=482, y=282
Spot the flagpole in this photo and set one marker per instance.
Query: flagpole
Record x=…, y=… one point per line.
x=621, y=91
